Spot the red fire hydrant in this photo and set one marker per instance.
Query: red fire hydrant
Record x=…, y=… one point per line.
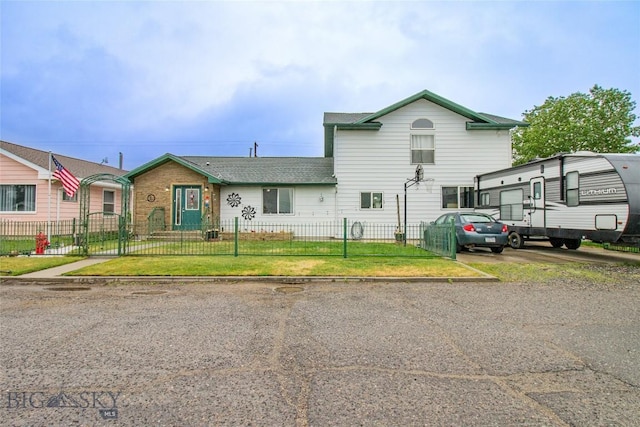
x=41, y=243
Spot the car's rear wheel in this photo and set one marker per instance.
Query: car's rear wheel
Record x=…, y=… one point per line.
x=516, y=241
x=497, y=250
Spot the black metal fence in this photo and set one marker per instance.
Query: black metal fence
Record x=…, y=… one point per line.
x=102, y=235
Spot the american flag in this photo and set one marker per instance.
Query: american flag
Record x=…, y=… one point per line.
x=69, y=182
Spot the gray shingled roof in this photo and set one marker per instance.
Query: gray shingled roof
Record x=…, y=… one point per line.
x=346, y=118
x=337, y=118
x=267, y=170
x=499, y=119
x=79, y=168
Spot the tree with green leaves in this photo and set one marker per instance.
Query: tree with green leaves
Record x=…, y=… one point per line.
x=601, y=121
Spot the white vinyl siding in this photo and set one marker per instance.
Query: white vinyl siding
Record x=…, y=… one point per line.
x=380, y=160
x=308, y=203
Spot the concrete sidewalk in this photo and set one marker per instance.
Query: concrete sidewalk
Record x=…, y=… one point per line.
x=62, y=269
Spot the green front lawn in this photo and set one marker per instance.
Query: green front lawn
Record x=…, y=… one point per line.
x=277, y=266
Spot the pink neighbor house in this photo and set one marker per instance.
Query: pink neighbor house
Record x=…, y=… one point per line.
x=25, y=194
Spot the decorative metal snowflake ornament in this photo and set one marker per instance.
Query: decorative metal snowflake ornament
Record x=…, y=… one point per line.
x=248, y=212
x=234, y=200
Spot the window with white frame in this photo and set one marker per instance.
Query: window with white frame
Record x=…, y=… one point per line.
x=573, y=185
x=423, y=149
x=457, y=197
x=370, y=200
x=66, y=198
x=422, y=124
x=277, y=201
x=17, y=198
x=108, y=201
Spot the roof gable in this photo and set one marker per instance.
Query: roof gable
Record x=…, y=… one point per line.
x=171, y=158
x=369, y=121
x=431, y=97
x=363, y=121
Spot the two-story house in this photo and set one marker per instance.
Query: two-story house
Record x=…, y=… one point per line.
x=376, y=154
x=369, y=159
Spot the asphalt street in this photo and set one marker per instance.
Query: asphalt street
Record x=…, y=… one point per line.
x=320, y=354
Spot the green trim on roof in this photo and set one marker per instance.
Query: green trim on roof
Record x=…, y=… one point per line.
x=491, y=126
x=359, y=126
x=280, y=184
x=167, y=158
x=432, y=97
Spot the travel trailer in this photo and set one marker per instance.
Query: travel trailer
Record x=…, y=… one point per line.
x=565, y=199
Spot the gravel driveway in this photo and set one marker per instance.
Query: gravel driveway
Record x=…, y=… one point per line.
x=318, y=354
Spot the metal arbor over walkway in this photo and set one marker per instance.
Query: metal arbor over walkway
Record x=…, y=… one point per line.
x=87, y=234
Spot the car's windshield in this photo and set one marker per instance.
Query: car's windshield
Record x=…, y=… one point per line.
x=475, y=218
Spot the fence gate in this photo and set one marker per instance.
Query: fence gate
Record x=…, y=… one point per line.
x=103, y=232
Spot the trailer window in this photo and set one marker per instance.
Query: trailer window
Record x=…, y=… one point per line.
x=573, y=186
x=485, y=200
x=537, y=190
x=511, y=207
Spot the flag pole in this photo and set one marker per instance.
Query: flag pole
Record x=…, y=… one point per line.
x=49, y=204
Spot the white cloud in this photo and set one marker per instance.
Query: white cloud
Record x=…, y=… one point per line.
x=174, y=63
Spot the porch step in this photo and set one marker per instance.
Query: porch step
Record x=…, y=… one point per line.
x=176, y=235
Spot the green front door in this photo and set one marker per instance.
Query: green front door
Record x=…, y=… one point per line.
x=186, y=207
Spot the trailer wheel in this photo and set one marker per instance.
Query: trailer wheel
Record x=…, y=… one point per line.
x=572, y=243
x=555, y=242
x=516, y=241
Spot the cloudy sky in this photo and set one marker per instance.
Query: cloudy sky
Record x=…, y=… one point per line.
x=91, y=79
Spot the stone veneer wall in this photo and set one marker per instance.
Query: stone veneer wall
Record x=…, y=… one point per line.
x=155, y=181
